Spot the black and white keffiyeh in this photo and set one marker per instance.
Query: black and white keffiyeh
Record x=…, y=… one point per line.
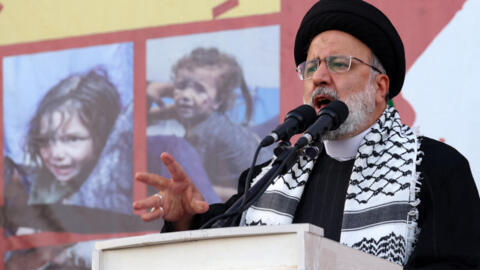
x=380, y=213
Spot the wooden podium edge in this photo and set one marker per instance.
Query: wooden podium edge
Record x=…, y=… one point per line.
x=164, y=238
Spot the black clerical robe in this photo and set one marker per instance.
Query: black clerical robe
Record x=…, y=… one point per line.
x=449, y=210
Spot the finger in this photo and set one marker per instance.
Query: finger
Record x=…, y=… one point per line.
x=155, y=180
x=159, y=198
x=199, y=206
x=154, y=201
x=175, y=170
x=143, y=204
x=153, y=215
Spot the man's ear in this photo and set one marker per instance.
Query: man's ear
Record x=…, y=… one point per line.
x=382, y=83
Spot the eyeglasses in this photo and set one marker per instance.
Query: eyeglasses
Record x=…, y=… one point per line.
x=335, y=64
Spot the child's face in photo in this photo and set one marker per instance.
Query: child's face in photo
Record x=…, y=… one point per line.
x=68, y=145
x=195, y=93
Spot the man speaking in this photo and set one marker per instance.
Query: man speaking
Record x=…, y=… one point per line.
x=375, y=185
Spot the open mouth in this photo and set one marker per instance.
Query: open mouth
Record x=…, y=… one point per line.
x=60, y=170
x=321, y=101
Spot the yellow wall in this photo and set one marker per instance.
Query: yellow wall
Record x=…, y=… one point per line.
x=34, y=20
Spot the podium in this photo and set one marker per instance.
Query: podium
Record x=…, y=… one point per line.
x=295, y=246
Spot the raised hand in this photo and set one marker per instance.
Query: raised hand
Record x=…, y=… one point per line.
x=177, y=199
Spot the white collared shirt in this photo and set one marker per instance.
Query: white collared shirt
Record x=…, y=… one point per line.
x=345, y=149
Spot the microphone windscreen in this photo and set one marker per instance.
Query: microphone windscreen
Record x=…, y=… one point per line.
x=339, y=110
x=305, y=114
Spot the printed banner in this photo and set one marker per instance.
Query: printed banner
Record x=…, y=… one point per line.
x=95, y=91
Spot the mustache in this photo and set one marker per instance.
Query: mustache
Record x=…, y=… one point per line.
x=324, y=91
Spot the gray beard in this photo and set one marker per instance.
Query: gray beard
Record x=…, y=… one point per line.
x=360, y=106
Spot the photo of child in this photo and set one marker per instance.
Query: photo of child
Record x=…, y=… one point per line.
x=69, y=141
x=208, y=103
x=68, y=133
x=68, y=155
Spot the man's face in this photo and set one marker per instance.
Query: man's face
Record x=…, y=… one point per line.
x=353, y=87
x=195, y=93
x=67, y=147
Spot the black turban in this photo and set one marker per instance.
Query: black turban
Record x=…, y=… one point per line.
x=363, y=21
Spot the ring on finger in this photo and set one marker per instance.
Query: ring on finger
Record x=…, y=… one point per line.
x=159, y=208
x=159, y=196
x=155, y=208
x=161, y=202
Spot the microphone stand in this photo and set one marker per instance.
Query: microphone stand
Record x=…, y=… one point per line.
x=330, y=117
x=284, y=162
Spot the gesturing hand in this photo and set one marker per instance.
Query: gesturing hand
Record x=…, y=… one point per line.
x=178, y=199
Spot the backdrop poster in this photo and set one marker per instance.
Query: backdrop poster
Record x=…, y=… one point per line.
x=212, y=97
x=50, y=222
x=67, y=144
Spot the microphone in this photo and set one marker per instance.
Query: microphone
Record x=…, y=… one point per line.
x=329, y=118
x=296, y=121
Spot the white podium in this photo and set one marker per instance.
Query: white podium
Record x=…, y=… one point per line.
x=296, y=246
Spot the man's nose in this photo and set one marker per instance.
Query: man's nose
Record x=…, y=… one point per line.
x=322, y=75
